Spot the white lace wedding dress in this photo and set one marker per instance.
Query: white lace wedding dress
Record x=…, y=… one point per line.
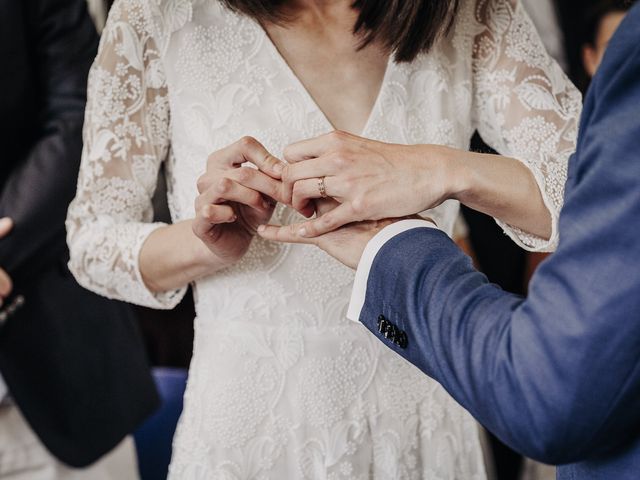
x=281, y=385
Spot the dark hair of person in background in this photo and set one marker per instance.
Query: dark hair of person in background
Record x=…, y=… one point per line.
x=408, y=27
x=584, y=31
x=594, y=15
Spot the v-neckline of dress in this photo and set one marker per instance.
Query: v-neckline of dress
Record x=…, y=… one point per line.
x=300, y=87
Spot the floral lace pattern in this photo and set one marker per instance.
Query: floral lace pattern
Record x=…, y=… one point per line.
x=281, y=384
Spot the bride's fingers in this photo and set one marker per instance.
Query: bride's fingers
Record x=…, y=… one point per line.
x=259, y=181
x=253, y=151
x=227, y=190
x=247, y=149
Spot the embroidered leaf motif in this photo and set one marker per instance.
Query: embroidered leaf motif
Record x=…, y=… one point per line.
x=290, y=109
x=536, y=97
x=499, y=17
x=98, y=147
x=155, y=74
x=178, y=13
x=289, y=345
x=131, y=46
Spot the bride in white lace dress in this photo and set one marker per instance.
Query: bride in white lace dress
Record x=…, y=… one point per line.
x=281, y=385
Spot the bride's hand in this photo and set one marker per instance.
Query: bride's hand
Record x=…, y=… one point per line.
x=371, y=180
x=234, y=200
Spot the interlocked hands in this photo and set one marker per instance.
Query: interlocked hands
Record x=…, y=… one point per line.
x=243, y=182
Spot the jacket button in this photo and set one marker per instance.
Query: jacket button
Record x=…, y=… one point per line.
x=390, y=332
x=382, y=324
x=402, y=340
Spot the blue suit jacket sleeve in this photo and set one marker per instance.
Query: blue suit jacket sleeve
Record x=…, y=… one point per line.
x=557, y=375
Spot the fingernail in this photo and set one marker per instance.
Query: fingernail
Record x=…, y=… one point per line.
x=261, y=228
x=233, y=219
x=5, y=222
x=302, y=232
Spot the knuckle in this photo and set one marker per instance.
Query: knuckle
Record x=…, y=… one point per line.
x=359, y=205
x=202, y=183
x=269, y=160
x=339, y=159
x=224, y=185
x=244, y=174
x=247, y=141
x=328, y=221
x=286, y=173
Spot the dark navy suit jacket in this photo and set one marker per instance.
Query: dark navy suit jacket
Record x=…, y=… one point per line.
x=555, y=375
x=74, y=362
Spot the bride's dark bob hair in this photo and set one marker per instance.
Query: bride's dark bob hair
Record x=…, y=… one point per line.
x=405, y=27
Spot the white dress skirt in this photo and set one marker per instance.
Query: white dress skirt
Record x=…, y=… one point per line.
x=282, y=385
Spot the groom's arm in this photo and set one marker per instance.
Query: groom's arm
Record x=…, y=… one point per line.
x=556, y=376
x=38, y=191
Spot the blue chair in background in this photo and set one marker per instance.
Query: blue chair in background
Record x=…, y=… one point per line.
x=153, y=439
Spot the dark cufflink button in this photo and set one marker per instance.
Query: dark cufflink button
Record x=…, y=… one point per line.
x=390, y=332
x=402, y=340
x=382, y=324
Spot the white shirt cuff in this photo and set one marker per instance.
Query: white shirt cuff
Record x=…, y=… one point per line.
x=371, y=250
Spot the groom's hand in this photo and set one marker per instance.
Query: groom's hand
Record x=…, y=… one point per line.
x=346, y=244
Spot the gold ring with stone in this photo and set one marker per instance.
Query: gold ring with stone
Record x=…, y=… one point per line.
x=322, y=187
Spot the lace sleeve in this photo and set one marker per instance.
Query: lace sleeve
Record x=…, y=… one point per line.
x=125, y=141
x=525, y=106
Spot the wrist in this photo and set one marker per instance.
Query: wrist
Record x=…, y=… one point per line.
x=443, y=168
x=201, y=257
x=457, y=177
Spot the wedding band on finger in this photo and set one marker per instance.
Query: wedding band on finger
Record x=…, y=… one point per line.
x=322, y=188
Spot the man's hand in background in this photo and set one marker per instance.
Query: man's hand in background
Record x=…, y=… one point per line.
x=6, y=224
